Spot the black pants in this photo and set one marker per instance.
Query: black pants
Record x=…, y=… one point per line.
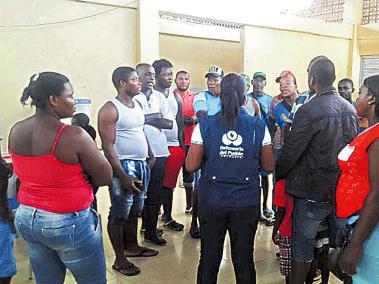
x=188, y=178
x=154, y=191
x=241, y=223
x=5, y=280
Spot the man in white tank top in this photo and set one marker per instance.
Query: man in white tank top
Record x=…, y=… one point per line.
x=157, y=118
x=120, y=125
x=175, y=140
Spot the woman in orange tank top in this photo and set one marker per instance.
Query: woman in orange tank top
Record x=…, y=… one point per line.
x=52, y=160
x=359, y=197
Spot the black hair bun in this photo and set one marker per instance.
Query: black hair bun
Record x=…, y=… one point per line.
x=25, y=95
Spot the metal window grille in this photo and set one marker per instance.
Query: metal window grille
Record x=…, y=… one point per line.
x=327, y=10
x=370, y=13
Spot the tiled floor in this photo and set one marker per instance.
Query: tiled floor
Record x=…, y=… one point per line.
x=176, y=262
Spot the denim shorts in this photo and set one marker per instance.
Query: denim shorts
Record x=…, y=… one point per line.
x=126, y=204
x=57, y=242
x=307, y=216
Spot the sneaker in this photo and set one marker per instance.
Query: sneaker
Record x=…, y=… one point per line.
x=160, y=232
x=268, y=214
x=155, y=239
x=174, y=226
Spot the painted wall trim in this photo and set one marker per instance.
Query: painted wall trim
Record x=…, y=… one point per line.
x=172, y=27
x=281, y=22
x=129, y=4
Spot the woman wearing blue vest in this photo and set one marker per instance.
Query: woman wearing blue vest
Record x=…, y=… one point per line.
x=230, y=147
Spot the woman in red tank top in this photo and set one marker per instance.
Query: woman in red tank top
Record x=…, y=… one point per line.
x=358, y=190
x=51, y=160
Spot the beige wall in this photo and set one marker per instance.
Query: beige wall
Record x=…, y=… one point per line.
x=197, y=55
x=87, y=51
x=368, y=39
x=272, y=51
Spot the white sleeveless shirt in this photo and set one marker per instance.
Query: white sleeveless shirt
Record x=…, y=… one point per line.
x=130, y=141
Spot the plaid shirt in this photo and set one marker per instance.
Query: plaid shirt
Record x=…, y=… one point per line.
x=302, y=99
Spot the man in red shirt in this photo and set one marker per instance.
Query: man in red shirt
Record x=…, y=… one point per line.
x=182, y=81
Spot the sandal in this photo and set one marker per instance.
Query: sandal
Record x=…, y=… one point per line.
x=173, y=225
x=130, y=269
x=144, y=252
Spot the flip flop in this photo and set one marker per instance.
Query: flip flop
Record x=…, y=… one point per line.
x=144, y=252
x=129, y=270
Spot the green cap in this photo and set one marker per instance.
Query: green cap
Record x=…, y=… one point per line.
x=259, y=74
x=246, y=79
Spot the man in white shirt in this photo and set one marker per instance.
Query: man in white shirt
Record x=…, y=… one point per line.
x=175, y=140
x=157, y=118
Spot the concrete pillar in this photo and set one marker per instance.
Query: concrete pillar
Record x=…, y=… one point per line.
x=147, y=31
x=353, y=15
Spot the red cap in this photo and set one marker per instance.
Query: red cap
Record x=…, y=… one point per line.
x=285, y=74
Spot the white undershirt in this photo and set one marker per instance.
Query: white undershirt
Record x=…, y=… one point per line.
x=196, y=137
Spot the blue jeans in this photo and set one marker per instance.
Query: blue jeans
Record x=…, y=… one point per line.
x=59, y=241
x=126, y=204
x=307, y=216
x=7, y=259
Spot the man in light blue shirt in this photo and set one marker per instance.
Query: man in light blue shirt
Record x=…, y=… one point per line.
x=205, y=103
x=208, y=102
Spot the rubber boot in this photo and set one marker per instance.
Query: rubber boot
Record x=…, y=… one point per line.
x=151, y=225
x=167, y=197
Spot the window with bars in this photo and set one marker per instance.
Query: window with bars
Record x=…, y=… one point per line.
x=327, y=10
x=369, y=66
x=370, y=13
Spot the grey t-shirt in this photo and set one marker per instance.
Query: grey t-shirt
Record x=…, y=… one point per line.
x=157, y=103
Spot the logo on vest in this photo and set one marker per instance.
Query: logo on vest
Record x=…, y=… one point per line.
x=231, y=139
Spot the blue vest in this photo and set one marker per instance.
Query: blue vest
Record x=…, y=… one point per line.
x=231, y=164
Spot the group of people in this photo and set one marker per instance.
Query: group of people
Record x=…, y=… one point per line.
x=227, y=141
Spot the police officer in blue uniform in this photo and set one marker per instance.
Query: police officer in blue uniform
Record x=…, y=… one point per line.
x=231, y=147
